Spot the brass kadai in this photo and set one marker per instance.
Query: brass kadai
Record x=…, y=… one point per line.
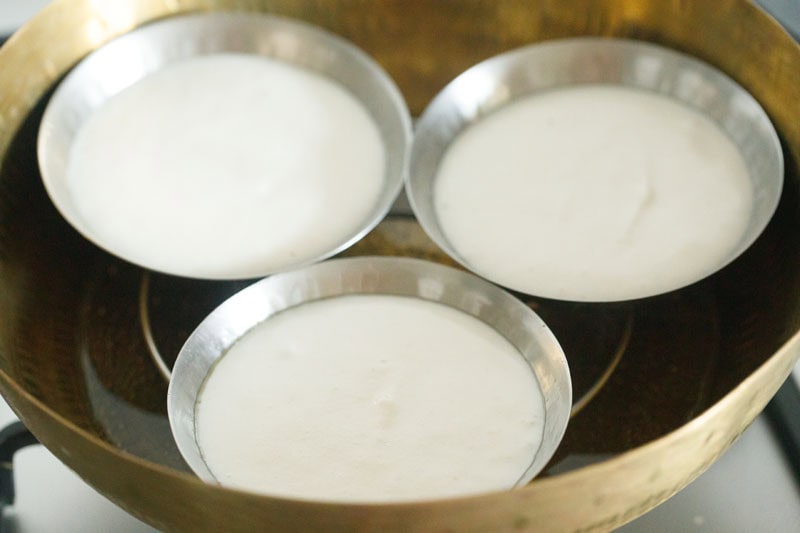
x=691, y=369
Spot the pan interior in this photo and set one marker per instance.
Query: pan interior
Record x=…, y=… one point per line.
x=74, y=338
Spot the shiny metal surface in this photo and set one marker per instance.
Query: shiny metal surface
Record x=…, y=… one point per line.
x=126, y=60
x=571, y=62
x=396, y=276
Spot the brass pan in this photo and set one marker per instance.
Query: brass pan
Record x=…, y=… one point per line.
x=664, y=385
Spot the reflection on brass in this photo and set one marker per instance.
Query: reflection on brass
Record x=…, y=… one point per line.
x=699, y=366
x=616, y=356
x=147, y=330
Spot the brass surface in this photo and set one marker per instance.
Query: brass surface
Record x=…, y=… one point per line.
x=699, y=365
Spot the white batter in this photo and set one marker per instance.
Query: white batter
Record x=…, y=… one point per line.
x=593, y=193
x=370, y=398
x=228, y=165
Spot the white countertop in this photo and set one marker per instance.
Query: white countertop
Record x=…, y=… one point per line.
x=14, y=13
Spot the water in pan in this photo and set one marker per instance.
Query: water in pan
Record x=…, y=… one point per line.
x=597, y=339
x=71, y=333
